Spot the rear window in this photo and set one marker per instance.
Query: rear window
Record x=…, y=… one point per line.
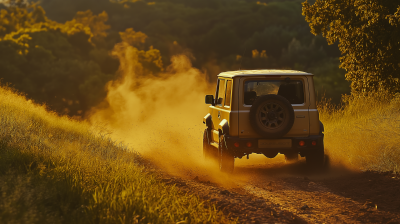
x=292, y=90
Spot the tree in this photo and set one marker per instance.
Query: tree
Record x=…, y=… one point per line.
x=55, y=63
x=14, y=18
x=59, y=64
x=368, y=35
x=95, y=23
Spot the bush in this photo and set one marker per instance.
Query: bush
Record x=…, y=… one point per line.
x=363, y=133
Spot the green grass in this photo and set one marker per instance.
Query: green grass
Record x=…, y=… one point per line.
x=56, y=170
x=364, y=133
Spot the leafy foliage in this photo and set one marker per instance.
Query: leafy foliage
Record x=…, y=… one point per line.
x=368, y=35
x=213, y=30
x=14, y=18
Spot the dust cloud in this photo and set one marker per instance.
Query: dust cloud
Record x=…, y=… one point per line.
x=158, y=115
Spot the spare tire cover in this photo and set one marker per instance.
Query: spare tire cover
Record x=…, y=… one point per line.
x=271, y=116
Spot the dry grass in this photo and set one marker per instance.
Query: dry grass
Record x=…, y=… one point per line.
x=55, y=170
x=364, y=133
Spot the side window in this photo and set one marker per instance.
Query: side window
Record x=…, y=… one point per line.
x=228, y=93
x=216, y=93
x=221, y=92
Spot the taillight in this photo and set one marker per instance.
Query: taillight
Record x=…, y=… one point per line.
x=302, y=143
x=236, y=144
x=248, y=144
x=314, y=143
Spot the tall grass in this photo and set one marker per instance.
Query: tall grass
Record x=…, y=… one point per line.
x=364, y=132
x=55, y=170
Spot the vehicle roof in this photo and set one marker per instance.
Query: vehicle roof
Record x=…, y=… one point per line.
x=264, y=72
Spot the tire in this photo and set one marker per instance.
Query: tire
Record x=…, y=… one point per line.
x=291, y=157
x=226, y=158
x=271, y=116
x=315, y=159
x=206, y=146
x=209, y=152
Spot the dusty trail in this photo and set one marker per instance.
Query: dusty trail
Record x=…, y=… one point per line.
x=322, y=198
x=275, y=192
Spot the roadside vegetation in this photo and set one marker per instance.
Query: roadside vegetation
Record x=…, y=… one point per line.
x=56, y=170
x=364, y=132
x=367, y=33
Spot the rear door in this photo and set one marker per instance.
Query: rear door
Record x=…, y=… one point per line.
x=222, y=108
x=253, y=87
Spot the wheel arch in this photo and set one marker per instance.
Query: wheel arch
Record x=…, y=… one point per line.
x=223, y=127
x=207, y=121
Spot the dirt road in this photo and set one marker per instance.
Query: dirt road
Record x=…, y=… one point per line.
x=276, y=192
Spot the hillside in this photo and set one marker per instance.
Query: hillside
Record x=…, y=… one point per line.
x=59, y=52
x=56, y=170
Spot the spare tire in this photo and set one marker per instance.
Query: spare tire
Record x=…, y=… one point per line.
x=271, y=116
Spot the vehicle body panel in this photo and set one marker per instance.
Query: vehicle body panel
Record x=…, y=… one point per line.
x=313, y=112
x=223, y=106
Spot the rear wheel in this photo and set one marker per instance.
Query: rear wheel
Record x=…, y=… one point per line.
x=226, y=158
x=206, y=146
x=316, y=157
x=291, y=157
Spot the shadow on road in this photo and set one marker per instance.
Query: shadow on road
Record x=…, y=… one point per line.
x=373, y=189
x=273, y=168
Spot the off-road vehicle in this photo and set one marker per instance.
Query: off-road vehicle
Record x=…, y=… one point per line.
x=264, y=112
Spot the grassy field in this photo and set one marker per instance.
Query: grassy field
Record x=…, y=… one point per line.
x=364, y=133
x=55, y=170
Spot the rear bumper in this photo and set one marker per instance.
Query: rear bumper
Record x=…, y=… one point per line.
x=245, y=149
